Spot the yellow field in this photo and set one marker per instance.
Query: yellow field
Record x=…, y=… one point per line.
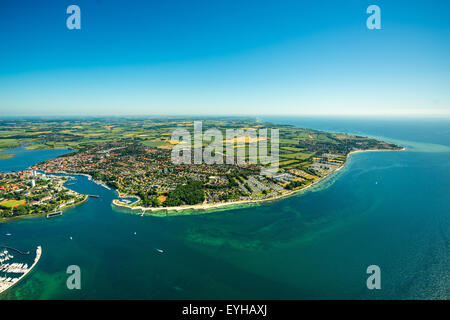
x=165, y=146
x=244, y=139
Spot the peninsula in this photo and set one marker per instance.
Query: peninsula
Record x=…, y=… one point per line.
x=133, y=156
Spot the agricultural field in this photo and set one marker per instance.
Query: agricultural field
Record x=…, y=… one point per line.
x=298, y=146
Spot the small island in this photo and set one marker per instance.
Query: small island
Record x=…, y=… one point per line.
x=133, y=156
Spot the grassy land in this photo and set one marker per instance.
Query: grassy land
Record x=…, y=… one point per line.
x=4, y=156
x=12, y=203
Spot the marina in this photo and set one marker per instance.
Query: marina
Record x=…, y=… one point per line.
x=12, y=273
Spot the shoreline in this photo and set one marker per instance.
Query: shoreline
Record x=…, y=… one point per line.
x=37, y=215
x=207, y=208
x=193, y=209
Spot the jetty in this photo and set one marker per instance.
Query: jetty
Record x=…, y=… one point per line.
x=101, y=183
x=14, y=249
x=54, y=214
x=8, y=271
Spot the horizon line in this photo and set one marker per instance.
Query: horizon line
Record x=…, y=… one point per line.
x=146, y=115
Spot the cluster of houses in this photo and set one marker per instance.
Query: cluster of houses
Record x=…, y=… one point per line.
x=37, y=192
x=134, y=169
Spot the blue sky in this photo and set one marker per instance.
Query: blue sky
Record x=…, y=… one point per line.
x=224, y=57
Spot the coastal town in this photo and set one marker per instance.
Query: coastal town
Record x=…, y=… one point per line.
x=29, y=192
x=134, y=158
x=150, y=175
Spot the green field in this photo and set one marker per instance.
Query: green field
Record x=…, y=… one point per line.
x=12, y=203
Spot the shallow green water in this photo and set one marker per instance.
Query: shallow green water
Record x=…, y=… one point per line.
x=391, y=209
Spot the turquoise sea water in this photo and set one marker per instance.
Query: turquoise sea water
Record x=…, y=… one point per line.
x=391, y=209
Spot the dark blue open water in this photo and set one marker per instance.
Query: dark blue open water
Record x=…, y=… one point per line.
x=391, y=209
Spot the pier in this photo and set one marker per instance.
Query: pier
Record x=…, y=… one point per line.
x=54, y=214
x=14, y=249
